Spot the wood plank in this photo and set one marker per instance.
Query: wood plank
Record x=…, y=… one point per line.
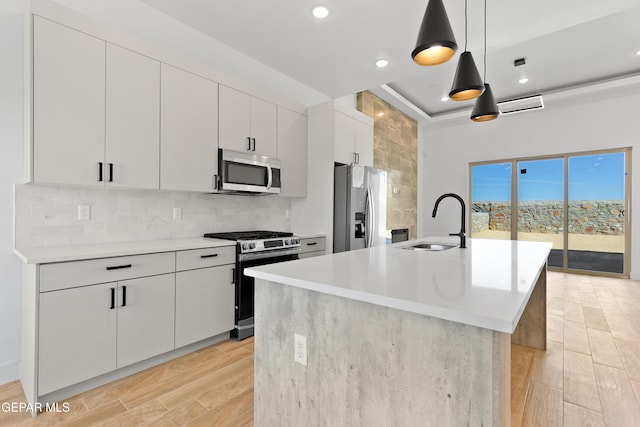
x=139, y=396
x=589, y=298
x=182, y=393
x=577, y=416
x=603, y=348
x=580, y=381
x=573, y=311
x=594, y=319
x=237, y=413
x=630, y=355
x=575, y=337
x=97, y=416
x=547, y=365
x=619, y=406
x=555, y=306
x=139, y=416
x=181, y=415
x=544, y=407
x=555, y=328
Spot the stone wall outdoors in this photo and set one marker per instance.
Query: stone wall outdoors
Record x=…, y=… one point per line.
x=395, y=137
x=585, y=216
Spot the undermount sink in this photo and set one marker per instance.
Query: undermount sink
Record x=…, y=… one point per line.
x=436, y=247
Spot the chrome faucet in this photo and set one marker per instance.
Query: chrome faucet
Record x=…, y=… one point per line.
x=463, y=239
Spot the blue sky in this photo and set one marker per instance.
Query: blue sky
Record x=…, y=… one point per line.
x=592, y=177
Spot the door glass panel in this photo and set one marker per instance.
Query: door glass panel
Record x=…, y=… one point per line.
x=596, y=212
x=491, y=201
x=541, y=204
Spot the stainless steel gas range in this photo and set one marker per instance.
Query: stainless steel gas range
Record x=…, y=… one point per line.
x=255, y=248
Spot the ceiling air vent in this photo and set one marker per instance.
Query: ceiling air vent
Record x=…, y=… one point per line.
x=518, y=105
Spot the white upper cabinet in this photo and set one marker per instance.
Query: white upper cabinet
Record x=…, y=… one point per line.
x=292, y=151
x=68, y=105
x=345, y=137
x=189, y=131
x=247, y=124
x=133, y=119
x=364, y=143
x=353, y=140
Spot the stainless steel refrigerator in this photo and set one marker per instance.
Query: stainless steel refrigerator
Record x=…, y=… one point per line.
x=360, y=207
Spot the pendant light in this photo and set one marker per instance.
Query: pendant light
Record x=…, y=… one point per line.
x=436, y=43
x=467, y=83
x=486, y=108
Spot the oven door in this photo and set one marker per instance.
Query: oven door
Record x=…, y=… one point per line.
x=245, y=286
x=248, y=173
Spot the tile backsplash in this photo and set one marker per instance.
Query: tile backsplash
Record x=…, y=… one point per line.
x=48, y=215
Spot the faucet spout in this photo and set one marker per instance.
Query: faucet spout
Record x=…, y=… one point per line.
x=461, y=234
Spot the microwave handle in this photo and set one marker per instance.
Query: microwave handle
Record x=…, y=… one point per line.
x=270, y=177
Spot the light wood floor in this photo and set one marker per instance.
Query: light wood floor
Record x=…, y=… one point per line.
x=589, y=375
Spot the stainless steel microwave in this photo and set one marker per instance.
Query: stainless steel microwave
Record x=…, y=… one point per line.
x=249, y=173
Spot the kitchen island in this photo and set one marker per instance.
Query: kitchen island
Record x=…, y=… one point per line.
x=397, y=336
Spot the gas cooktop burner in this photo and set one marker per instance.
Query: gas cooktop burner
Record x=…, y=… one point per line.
x=249, y=235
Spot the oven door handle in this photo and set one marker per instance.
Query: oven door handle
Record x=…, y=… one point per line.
x=268, y=254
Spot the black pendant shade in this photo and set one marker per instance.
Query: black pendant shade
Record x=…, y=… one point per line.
x=486, y=108
x=467, y=83
x=436, y=43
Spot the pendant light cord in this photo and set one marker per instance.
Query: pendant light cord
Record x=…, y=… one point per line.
x=465, y=25
x=485, y=42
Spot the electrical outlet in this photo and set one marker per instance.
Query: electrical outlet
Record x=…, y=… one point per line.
x=177, y=213
x=84, y=212
x=300, y=349
x=287, y=212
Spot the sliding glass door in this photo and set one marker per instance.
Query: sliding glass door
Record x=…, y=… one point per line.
x=578, y=202
x=541, y=204
x=597, y=212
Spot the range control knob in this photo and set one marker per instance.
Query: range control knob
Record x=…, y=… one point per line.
x=287, y=241
x=253, y=245
x=245, y=246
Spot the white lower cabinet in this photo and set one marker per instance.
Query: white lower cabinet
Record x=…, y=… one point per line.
x=312, y=247
x=99, y=315
x=145, y=318
x=204, y=303
x=91, y=330
x=77, y=336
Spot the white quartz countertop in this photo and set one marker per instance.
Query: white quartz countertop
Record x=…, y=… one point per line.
x=43, y=255
x=487, y=285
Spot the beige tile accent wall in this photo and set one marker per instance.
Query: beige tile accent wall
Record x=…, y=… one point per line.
x=395, y=150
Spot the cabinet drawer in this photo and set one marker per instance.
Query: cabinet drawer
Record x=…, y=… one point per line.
x=65, y=275
x=201, y=258
x=312, y=245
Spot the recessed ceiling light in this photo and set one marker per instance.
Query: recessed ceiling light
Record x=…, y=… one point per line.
x=523, y=80
x=444, y=99
x=381, y=63
x=638, y=53
x=320, y=12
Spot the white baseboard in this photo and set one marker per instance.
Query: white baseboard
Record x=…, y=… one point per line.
x=8, y=372
x=634, y=276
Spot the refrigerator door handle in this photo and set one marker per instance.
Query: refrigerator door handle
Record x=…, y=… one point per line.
x=369, y=218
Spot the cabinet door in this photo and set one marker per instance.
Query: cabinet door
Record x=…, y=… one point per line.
x=146, y=309
x=76, y=336
x=133, y=119
x=235, y=120
x=68, y=105
x=188, y=131
x=204, y=303
x=364, y=144
x=292, y=149
x=264, y=127
x=345, y=137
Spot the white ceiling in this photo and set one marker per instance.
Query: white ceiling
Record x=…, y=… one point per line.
x=566, y=43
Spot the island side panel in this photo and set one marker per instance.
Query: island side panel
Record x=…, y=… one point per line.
x=372, y=365
x=532, y=327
